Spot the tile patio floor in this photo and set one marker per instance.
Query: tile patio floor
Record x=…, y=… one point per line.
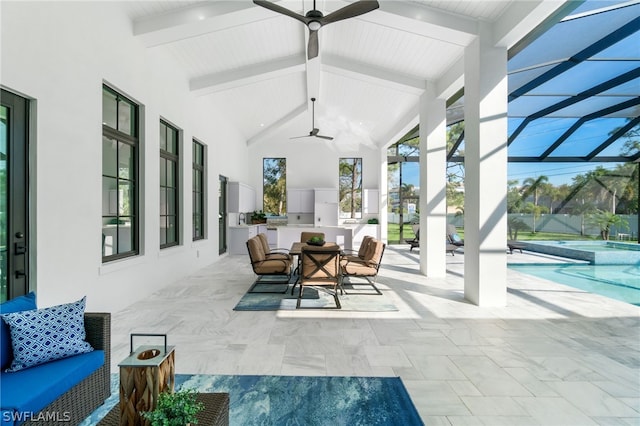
x=554, y=356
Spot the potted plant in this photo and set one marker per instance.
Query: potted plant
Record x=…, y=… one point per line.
x=175, y=409
x=258, y=217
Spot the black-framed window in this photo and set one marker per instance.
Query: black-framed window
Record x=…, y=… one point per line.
x=274, y=186
x=199, y=206
x=120, y=185
x=169, y=189
x=350, y=179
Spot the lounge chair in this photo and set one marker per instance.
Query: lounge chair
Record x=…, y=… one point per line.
x=453, y=237
x=415, y=241
x=515, y=245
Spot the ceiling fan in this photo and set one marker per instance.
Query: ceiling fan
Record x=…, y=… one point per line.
x=314, y=132
x=314, y=19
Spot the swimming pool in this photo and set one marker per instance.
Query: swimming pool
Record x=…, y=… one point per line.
x=621, y=282
x=594, y=252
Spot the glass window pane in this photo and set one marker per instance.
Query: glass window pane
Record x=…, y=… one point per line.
x=109, y=156
x=350, y=191
x=163, y=136
x=125, y=161
x=171, y=229
x=171, y=201
x=109, y=109
x=109, y=196
x=163, y=172
x=172, y=141
x=109, y=236
x=126, y=117
x=196, y=180
x=171, y=173
x=163, y=201
x=125, y=237
x=274, y=186
x=197, y=203
x=125, y=198
x=163, y=230
x=197, y=226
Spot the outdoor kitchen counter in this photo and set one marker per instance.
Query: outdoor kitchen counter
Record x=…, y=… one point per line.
x=342, y=235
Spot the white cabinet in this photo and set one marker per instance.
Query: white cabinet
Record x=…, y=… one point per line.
x=324, y=196
x=242, y=198
x=238, y=236
x=300, y=201
x=371, y=201
x=326, y=214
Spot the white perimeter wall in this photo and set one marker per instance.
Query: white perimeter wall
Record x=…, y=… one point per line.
x=59, y=54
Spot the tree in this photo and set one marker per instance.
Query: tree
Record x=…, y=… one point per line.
x=532, y=186
x=455, y=171
x=274, y=185
x=604, y=220
x=350, y=185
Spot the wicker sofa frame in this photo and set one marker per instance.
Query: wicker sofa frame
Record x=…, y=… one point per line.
x=81, y=400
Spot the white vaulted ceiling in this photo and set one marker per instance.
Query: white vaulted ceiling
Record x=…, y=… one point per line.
x=368, y=77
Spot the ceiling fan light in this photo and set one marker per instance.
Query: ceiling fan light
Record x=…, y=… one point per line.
x=314, y=25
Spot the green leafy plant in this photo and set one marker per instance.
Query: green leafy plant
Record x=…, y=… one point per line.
x=175, y=409
x=258, y=217
x=604, y=220
x=316, y=240
x=373, y=221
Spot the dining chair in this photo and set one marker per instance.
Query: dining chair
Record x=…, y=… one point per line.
x=320, y=269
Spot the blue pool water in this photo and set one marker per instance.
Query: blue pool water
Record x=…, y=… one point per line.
x=621, y=282
x=594, y=252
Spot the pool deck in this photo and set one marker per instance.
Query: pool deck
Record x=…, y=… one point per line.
x=554, y=355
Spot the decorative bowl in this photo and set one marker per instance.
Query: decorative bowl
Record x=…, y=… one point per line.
x=316, y=242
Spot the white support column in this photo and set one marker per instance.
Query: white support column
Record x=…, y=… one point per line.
x=485, y=210
x=384, y=196
x=433, y=197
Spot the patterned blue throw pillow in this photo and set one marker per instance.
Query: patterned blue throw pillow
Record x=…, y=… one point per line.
x=43, y=335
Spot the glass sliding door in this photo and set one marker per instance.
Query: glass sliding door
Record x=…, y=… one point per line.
x=14, y=220
x=222, y=215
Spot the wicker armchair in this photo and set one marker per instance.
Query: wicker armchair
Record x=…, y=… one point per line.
x=81, y=400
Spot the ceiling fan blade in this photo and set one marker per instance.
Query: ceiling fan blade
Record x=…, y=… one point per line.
x=312, y=49
x=300, y=137
x=329, y=138
x=279, y=9
x=350, y=11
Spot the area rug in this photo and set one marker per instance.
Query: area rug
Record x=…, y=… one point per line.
x=272, y=297
x=299, y=400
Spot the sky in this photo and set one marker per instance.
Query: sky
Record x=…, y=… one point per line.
x=558, y=173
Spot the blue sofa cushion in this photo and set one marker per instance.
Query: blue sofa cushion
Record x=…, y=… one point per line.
x=22, y=303
x=26, y=392
x=43, y=335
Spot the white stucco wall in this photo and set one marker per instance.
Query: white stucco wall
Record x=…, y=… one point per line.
x=311, y=162
x=51, y=55
x=61, y=62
